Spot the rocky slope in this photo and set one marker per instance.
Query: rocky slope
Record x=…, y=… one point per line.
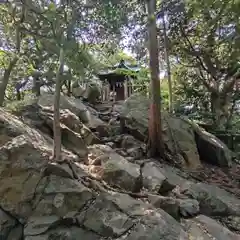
x=105, y=187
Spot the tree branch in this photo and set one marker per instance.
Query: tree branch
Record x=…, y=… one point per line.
x=196, y=54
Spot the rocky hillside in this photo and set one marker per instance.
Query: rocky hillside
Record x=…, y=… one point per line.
x=105, y=187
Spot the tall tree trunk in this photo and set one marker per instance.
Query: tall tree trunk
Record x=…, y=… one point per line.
x=166, y=50
x=156, y=146
x=56, y=122
x=5, y=79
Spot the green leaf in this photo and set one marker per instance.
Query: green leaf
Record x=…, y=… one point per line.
x=52, y=6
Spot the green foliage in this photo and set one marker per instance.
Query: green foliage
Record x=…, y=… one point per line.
x=16, y=106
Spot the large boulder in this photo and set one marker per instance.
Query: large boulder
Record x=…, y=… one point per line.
x=115, y=169
x=181, y=137
x=74, y=105
x=153, y=223
x=212, y=199
x=70, y=120
x=86, y=114
x=75, y=136
x=211, y=149
x=178, y=135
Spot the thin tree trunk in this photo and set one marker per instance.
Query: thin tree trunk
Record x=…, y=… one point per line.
x=70, y=32
x=220, y=110
x=5, y=79
x=166, y=50
x=231, y=112
x=56, y=122
x=156, y=146
x=69, y=90
x=36, y=86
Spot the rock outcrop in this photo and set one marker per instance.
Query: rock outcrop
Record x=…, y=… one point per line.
x=86, y=114
x=103, y=188
x=183, y=139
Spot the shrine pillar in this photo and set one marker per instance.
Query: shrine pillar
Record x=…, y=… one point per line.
x=114, y=92
x=105, y=91
x=125, y=86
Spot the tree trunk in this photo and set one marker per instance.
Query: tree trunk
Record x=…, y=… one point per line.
x=5, y=79
x=166, y=50
x=19, y=95
x=156, y=146
x=56, y=122
x=69, y=90
x=36, y=86
x=219, y=108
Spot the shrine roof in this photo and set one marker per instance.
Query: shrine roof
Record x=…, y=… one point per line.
x=118, y=67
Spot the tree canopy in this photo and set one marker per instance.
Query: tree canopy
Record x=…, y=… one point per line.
x=201, y=38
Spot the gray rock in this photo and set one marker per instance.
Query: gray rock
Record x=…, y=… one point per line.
x=203, y=227
x=65, y=233
x=173, y=179
x=38, y=225
x=156, y=225
x=74, y=142
x=117, y=171
x=74, y=135
x=16, y=233
x=175, y=207
x=62, y=170
x=61, y=197
x=211, y=149
x=121, y=173
x=232, y=222
x=128, y=141
x=127, y=204
x=45, y=200
x=178, y=135
x=7, y=224
x=105, y=219
x=110, y=144
x=152, y=177
x=168, y=204
x=188, y=207
x=136, y=152
x=20, y=174
x=212, y=199
x=99, y=149
x=74, y=105
x=70, y=120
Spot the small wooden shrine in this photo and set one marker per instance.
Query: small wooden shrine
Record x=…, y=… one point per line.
x=119, y=79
